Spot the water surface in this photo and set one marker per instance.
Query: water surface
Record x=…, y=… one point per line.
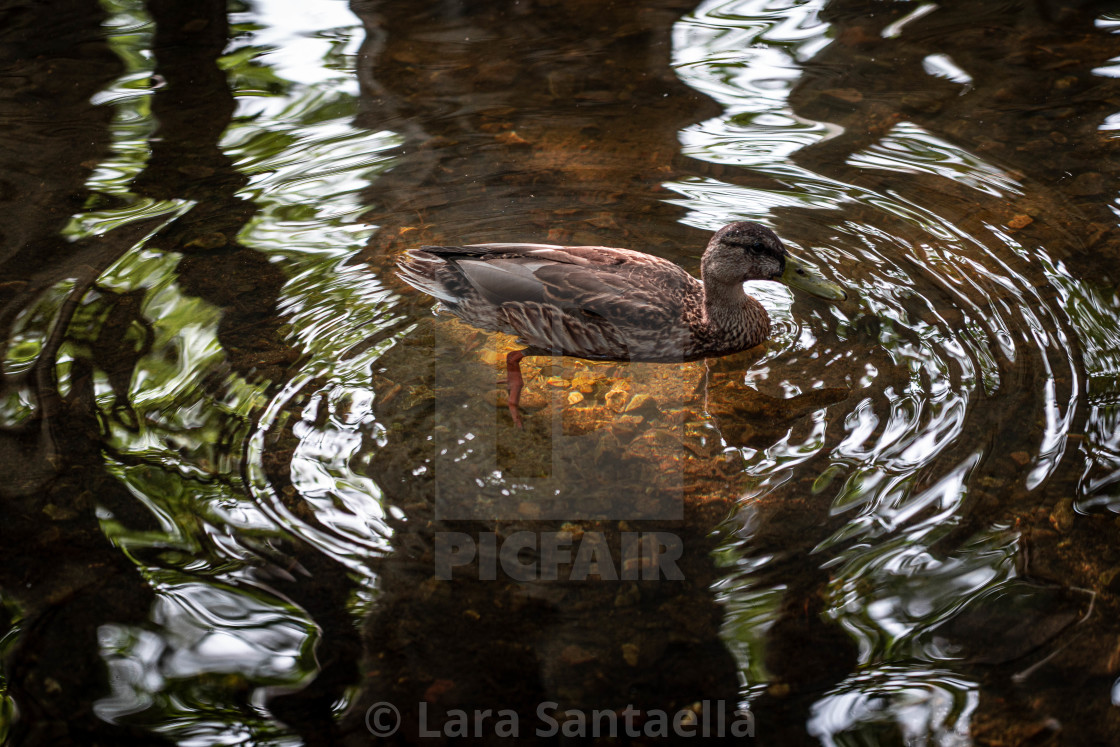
x=233, y=440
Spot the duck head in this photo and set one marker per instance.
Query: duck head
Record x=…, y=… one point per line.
x=749, y=251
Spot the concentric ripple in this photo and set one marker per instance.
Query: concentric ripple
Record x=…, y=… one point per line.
x=270, y=394
x=969, y=352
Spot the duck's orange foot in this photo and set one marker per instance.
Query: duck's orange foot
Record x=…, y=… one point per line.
x=514, y=382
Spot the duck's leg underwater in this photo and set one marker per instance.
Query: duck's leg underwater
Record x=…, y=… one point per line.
x=514, y=382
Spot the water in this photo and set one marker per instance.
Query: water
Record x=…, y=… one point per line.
x=236, y=446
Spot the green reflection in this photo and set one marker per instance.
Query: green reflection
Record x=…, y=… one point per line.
x=960, y=346
x=180, y=394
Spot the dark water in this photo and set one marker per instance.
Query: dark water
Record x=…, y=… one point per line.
x=236, y=447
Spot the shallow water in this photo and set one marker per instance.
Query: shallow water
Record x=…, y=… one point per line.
x=241, y=455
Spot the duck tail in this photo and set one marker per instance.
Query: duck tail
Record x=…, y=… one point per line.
x=421, y=270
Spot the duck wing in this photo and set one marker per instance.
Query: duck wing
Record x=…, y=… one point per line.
x=568, y=331
x=598, y=278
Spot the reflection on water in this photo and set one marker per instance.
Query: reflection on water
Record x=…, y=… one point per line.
x=234, y=440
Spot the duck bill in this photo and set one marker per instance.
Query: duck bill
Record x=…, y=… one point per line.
x=798, y=275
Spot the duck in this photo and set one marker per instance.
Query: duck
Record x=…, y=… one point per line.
x=609, y=304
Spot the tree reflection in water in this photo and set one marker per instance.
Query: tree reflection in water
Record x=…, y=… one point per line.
x=896, y=516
